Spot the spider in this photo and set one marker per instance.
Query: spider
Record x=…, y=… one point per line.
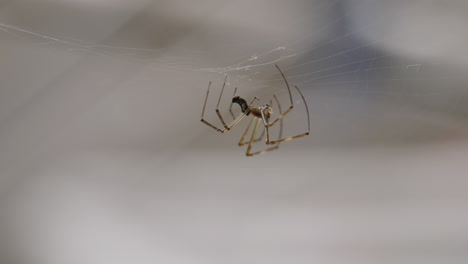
x=259, y=114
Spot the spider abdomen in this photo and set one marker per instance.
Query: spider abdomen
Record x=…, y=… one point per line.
x=242, y=103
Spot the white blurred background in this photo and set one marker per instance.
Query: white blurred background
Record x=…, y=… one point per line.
x=103, y=158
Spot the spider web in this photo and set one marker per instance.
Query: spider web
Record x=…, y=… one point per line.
x=352, y=74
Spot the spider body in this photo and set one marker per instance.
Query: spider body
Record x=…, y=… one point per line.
x=260, y=114
x=261, y=111
x=256, y=111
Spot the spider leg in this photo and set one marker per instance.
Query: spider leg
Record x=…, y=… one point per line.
x=268, y=124
x=252, y=139
x=242, y=141
x=230, y=107
x=268, y=142
x=226, y=127
x=203, y=112
x=217, y=106
x=281, y=121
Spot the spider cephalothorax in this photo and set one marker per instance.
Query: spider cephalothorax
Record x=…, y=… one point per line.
x=259, y=114
x=261, y=111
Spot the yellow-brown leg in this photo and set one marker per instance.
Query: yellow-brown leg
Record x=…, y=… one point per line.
x=267, y=124
x=269, y=142
x=217, y=105
x=252, y=139
x=226, y=127
x=242, y=141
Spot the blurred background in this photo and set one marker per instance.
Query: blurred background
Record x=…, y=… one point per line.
x=103, y=158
